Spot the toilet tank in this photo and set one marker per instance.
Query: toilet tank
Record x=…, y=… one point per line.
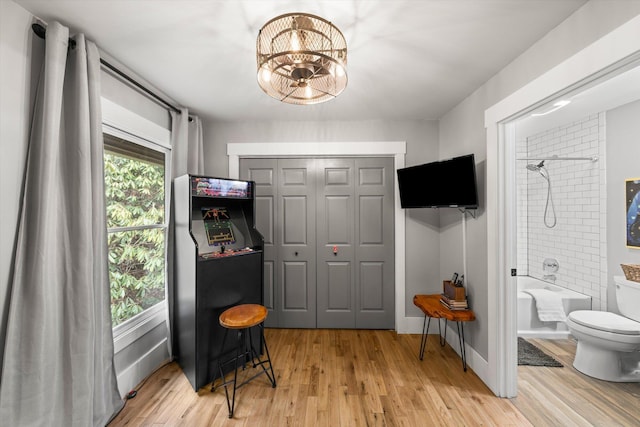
x=628, y=297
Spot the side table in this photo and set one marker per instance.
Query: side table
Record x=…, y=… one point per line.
x=432, y=308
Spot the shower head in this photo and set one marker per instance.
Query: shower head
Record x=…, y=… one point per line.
x=535, y=168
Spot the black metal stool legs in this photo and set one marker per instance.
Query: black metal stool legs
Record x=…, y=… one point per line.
x=272, y=377
x=246, y=352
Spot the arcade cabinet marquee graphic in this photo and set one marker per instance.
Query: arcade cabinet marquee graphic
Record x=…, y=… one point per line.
x=218, y=187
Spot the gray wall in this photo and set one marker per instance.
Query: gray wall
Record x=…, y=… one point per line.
x=462, y=130
x=422, y=226
x=20, y=66
x=623, y=162
x=114, y=90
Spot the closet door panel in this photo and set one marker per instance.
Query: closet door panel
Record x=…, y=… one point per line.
x=335, y=233
x=296, y=250
x=375, y=273
x=264, y=172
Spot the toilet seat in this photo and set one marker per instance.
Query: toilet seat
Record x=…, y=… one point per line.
x=605, y=321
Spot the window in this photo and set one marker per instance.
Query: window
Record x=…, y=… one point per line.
x=135, y=187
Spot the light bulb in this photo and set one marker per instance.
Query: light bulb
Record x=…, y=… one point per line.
x=265, y=74
x=295, y=42
x=307, y=91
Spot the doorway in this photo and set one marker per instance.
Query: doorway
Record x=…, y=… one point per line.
x=599, y=60
x=329, y=250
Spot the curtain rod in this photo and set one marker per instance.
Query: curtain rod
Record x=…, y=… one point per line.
x=41, y=32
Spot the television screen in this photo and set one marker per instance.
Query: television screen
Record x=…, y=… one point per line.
x=446, y=183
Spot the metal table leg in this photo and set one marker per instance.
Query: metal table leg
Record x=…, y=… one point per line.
x=425, y=331
x=463, y=352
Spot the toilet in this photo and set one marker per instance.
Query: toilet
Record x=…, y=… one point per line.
x=608, y=343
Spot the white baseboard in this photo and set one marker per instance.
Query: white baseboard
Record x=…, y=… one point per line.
x=131, y=376
x=411, y=325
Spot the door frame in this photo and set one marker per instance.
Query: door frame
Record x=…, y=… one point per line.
x=395, y=149
x=617, y=49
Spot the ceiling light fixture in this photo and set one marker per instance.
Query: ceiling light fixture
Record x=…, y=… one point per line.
x=302, y=59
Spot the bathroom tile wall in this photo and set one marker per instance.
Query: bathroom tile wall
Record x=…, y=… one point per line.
x=578, y=240
x=522, y=174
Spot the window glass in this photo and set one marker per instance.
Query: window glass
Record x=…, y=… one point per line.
x=135, y=199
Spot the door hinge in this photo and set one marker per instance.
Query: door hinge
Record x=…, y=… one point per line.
x=514, y=272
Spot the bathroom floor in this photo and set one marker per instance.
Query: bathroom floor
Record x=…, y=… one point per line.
x=564, y=396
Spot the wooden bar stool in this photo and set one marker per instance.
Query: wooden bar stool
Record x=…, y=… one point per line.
x=242, y=318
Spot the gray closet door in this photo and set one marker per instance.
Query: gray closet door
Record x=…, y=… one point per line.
x=296, y=213
x=374, y=241
x=265, y=174
x=305, y=209
x=335, y=234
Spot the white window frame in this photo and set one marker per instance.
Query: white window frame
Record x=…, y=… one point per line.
x=122, y=123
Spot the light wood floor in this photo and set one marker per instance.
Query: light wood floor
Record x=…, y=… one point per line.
x=374, y=378
x=566, y=397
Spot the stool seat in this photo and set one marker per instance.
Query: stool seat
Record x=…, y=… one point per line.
x=243, y=316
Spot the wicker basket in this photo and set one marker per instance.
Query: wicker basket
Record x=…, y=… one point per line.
x=631, y=272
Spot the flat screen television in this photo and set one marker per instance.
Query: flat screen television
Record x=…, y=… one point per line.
x=447, y=183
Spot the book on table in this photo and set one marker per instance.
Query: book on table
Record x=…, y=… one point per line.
x=452, y=304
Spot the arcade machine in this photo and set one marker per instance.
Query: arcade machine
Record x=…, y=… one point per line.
x=218, y=264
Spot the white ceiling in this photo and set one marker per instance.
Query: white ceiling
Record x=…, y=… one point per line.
x=608, y=92
x=407, y=59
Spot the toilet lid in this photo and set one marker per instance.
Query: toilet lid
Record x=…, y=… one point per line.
x=606, y=321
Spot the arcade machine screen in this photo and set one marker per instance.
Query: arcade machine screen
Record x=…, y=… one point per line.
x=218, y=227
x=219, y=223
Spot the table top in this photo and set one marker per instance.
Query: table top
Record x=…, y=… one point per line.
x=431, y=306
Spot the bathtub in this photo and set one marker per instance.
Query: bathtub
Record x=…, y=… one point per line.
x=529, y=326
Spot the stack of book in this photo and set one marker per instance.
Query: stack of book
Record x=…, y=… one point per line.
x=454, y=304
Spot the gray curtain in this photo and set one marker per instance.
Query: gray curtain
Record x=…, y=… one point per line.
x=186, y=157
x=58, y=363
x=186, y=144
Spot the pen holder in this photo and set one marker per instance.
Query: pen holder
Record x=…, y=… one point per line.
x=453, y=292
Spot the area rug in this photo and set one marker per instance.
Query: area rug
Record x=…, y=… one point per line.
x=529, y=354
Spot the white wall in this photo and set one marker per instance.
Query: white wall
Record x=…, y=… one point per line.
x=462, y=130
x=623, y=158
x=422, y=226
x=20, y=66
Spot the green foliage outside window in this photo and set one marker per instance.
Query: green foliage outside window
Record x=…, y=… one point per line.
x=135, y=197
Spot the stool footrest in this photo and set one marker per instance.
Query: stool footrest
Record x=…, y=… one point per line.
x=255, y=364
x=245, y=354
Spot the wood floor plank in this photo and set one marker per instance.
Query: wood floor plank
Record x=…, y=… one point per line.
x=374, y=378
x=564, y=396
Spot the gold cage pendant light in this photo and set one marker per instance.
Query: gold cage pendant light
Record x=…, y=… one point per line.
x=302, y=59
